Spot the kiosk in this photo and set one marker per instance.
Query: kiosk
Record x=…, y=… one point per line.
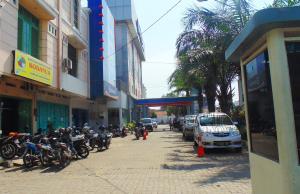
x=268, y=49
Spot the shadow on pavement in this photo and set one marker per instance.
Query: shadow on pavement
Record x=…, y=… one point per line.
x=225, y=165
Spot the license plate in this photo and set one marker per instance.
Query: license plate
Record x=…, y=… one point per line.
x=221, y=143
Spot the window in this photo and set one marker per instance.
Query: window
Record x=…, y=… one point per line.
x=72, y=54
x=293, y=55
x=215, y=120
x=75, y=13
x=52, y=29
x=263, y=136
x=28, y=33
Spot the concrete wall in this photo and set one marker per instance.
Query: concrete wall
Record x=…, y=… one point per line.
x=284, y=176
x=8, y=36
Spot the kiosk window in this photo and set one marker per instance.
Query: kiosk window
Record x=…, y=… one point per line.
x=263, y=137
x=293, y=55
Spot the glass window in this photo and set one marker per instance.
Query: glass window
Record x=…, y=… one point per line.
x=72, y=54
x=293, y=55
x=263, y=136
x=147, y=121
x=28, y=33
x=75, y=11
x=215, y=120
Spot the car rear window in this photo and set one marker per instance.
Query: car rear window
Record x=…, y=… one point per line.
x=215, y=120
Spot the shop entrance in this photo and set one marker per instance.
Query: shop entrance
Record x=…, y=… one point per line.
x=113, y=117
x=80, y=116
x=15, y=115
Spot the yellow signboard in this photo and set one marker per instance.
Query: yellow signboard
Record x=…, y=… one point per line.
x=32, y=68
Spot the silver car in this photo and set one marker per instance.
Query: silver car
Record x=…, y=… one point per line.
x=189, y=126
x=216, y=130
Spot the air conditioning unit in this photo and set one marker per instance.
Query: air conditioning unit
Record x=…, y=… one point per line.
x=3, y=3
x=67, y=64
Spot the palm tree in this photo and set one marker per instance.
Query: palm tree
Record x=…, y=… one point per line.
x=285, y=3
x=205, y=39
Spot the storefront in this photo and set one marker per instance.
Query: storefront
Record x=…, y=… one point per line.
x=15, y=115
x=51, y=114
x=16, y=105
x=79, y=117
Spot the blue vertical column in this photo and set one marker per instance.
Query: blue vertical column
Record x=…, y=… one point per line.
x=96, y=48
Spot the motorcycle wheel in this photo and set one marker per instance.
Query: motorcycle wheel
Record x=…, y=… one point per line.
x=92, y=145
x=8, y=151
x=100, y=148
x=28, y=160
x=64, y=160
x=83, y=151
x=107, y=146
x=21, y=151
x=45, y=161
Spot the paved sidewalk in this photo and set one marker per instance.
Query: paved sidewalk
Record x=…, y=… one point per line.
x=162, y=164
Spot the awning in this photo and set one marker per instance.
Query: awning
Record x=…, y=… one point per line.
x=40, y=9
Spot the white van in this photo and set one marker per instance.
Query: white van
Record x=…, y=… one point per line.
x=216, y=130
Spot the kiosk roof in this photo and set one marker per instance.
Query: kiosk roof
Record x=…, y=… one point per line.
x=262, y=22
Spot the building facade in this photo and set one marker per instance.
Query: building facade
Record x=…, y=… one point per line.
x=117, y=53
x=129, y=57
x=44, y=66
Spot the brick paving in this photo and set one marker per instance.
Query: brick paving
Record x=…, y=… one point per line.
x=162, y=164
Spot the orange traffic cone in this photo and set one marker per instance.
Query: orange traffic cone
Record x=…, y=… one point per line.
x=200, y=151
x=144, y=136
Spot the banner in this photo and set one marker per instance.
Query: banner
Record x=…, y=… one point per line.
x=32, y=68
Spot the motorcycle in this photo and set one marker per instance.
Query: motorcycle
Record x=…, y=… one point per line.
x=58, y=151
x=139, y=131
x=124, y=132
x=33, y=154
x=104, y=139
x=90, y=137
x=13, y=145
x=53, y=149
x=79, y=144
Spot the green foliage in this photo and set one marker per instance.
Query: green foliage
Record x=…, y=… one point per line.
x=201, y=50
x=131, y=126
x=153, y=115
x=284, y=3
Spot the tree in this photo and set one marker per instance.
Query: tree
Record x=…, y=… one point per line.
x=284, y=3
x=204, y=42
x=153, y=115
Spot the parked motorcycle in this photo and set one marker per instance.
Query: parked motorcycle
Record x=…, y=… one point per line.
x=90, y=137
x=13, y=145
x=58, y=151
x=33, y=154
x=124, y=132
x=104, y=139
x=79, y=144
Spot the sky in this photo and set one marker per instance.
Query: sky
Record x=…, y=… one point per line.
x=160, y=39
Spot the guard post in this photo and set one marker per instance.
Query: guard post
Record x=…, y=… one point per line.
x=268, y=49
